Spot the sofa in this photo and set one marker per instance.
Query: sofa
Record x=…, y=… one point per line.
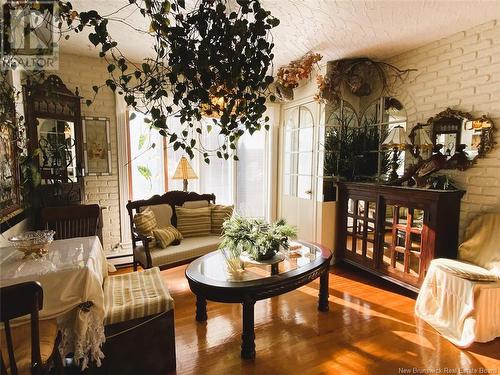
x=147, y=253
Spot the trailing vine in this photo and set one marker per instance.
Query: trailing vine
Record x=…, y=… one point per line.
x=201, y=55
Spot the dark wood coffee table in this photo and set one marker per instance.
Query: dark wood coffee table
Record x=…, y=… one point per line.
x=209, y=280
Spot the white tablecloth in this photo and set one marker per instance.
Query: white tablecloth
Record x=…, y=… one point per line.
x=71, y=276
x=463, y=311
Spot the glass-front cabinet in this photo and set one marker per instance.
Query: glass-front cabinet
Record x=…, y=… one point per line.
x=360, y=234
x=402, y=239
x=396, y=231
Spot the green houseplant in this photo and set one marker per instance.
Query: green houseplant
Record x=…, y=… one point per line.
x=255, y=237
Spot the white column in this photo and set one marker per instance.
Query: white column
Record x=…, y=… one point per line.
x=273, y=112
x=123, y=175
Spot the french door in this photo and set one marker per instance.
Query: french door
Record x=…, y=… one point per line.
x=297, y=165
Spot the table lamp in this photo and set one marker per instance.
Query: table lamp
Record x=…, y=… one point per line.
x=397, y=140
x=421, y=141
x=184, y=172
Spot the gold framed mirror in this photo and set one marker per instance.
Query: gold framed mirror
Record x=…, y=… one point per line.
x=460, y=137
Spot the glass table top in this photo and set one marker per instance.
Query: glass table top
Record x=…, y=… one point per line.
x=214, y=266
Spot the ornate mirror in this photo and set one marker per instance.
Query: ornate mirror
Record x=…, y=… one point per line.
x=55, y=135
x=460, y=137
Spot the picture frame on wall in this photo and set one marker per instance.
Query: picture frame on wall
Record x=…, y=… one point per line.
x=96, y=146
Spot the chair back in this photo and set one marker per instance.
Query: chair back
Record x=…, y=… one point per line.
x=73, y=221
x=20, y=300
x=172, y=198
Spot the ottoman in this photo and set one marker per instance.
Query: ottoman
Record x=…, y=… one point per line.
x=139, y=324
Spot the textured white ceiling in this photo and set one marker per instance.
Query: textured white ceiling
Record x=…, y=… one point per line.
x=334, y=28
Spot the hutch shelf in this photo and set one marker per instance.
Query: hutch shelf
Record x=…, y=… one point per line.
x=395, y=232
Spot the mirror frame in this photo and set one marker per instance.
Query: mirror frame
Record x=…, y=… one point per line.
x=51, y=99
x=460, y=160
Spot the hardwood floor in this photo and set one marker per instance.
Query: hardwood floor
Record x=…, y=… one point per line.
x=370, y=329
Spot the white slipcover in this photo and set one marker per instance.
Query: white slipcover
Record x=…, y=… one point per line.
x=455, y=297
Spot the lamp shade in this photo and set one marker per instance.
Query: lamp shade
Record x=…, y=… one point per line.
x=184, y=171
x=422, y=139
x=397, y=138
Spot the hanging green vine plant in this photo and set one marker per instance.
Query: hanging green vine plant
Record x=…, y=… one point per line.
x=200, y=55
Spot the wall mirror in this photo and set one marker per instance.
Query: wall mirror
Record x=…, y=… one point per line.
x=352, y=144
x=459, y=136
x=56, y=139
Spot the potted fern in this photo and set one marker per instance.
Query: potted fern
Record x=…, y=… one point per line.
x=255, y=237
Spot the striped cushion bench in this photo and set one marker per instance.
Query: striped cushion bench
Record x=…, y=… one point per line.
x=135, y=295
x=139, y=325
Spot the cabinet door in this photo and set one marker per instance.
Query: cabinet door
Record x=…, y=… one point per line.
x=361, y=230
x=402, y=241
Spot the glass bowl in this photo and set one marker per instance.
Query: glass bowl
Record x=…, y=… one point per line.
x=34, y=243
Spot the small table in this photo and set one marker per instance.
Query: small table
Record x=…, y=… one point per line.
x=71, y=275
x=209, y=280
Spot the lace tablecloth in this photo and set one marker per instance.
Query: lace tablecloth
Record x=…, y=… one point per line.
x=71, y=276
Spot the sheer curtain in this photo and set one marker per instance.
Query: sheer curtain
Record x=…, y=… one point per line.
x=146, y=159
x=251, y=175
x=216, y=177
x=242, y=183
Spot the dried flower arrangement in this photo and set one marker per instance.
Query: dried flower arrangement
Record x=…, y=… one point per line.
x=289, y=76
x=359, y=76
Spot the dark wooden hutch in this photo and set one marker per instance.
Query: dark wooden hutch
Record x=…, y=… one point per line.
x=395, y=232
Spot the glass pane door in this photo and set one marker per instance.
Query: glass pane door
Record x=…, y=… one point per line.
x=361, y=232
x=402, y=239
x=298, y=152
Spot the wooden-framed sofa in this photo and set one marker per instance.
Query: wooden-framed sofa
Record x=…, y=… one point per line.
x=148, y=255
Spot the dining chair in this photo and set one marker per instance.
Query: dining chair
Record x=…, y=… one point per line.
x=73, y=221
x=28, y=348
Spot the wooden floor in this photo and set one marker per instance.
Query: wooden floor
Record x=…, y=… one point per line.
x=370, y=329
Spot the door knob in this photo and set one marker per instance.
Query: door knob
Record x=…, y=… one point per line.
x=308, y=192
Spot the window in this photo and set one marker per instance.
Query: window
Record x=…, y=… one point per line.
x=146, y=164
x=242, y=183
x=251, y=175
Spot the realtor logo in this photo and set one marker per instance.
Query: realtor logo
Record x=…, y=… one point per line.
x=28, y=35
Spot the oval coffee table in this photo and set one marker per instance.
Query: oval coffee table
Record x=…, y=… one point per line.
x=209, y=280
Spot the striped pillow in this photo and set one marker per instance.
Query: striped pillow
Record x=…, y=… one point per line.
x=195, y=204
x=145, y=222
x=166, y=236
x=192, y=222
x=220, y=214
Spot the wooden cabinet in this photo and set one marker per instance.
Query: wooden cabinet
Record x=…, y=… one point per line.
x=394, y=231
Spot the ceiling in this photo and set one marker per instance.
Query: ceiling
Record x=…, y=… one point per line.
x=335, y=28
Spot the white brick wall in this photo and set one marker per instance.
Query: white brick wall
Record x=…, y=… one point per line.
x=85, y=72
x=461, y=71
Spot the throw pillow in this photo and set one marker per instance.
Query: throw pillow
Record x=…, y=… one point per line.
x=192, y=222
x=145, y=222
x=163, y=214
x=195, y=204
x=167, y=236
x=220, y=214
